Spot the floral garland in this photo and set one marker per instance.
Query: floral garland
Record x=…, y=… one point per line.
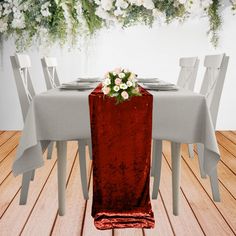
x=48, y=21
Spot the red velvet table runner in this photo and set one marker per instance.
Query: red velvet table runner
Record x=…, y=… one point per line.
x=121, y=143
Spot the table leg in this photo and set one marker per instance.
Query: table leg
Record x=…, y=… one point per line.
x=61, y=175
x=89, y=142
x=176, y=159
x=32, y=175
x=50, y=149
x=191, y=150
x=157, y=168
x=153, y=164
x=200, y=152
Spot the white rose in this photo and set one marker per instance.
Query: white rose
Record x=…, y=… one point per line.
x=107, y=81
x=116, y=88
x=121, y=75
x=123, y=86
x=129, y=83
x=182, y=1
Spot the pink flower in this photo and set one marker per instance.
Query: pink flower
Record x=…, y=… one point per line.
x=125, y=95
x=118, y=81
x=106, y=90
x=117, y=70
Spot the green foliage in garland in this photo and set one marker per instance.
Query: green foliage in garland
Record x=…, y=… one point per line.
x=33, y=22
x=215, y=22
x=93, y=21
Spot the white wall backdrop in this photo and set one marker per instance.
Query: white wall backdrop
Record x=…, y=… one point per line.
x=148, y=52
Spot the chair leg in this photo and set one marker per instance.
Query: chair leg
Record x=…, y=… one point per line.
x=61, y=175
x=191, y=151
x=32, y=175
x=83, y=169
x=89, y=142
x=200, y=151
x=154, y=157
x=25, y=187
x=175, y=159
x=157, y=168
x=215, y=186
x=50, y=149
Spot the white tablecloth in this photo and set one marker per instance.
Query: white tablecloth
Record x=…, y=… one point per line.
x=180, y=116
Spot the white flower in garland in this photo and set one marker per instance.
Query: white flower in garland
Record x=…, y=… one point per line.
x=158, y=15
x=102, y=13
x=119, y=12
x=182, y=1
x=121, y=4
x=106, y=4
x=45, y=9
x=18, y=21
x=3, y=25
x=148, y=4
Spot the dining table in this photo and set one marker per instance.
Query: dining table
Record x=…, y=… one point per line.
x=180, y=116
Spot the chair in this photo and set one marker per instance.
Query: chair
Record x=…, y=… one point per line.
x=216, y=67
x=21, y=64
x=212, y=86
x=49, y=65
x=186, y=79
x=188, y=72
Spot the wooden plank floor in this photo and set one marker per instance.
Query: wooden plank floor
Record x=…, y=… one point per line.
x=199, y=214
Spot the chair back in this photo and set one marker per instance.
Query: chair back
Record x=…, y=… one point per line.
x=20, y=65
x=49, y=65
x=188, y=72
x=213, y=82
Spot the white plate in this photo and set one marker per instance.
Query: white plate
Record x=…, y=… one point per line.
x=147, y=80
x=77, y=86
x=160, y=84
x=91, y=80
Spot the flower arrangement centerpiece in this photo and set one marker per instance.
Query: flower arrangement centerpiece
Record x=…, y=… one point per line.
x=121, y=84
